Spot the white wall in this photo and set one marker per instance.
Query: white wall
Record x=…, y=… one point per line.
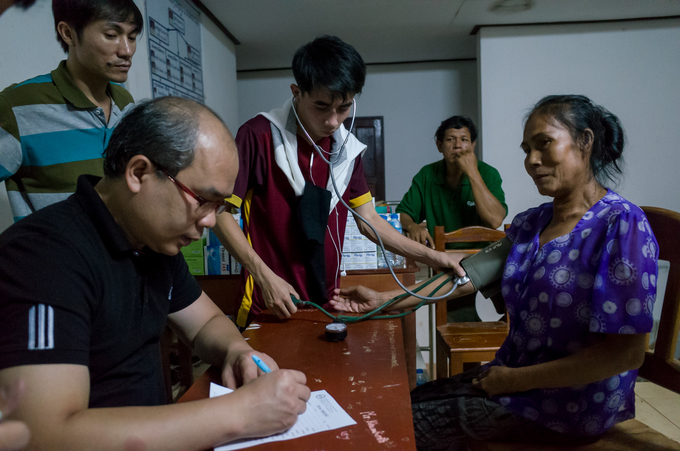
x=631, y=68
x=219, y=73
x=412, y=98
x=29, y=48
x=219, y=70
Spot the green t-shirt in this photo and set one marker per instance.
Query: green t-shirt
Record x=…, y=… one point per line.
x=430, y=198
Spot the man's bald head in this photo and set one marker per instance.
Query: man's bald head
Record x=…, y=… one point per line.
x=165, y=130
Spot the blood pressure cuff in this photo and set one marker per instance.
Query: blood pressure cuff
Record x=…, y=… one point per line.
x=485, y=268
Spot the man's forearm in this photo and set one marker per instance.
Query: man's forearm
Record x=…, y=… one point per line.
x=55, y=408
x=234, y=241
x=216, y=339
x=407, y=222
x=490, y=210
x=186, y=426
x=393, y=240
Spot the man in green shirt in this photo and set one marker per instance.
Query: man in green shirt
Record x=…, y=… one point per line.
x=455, y=192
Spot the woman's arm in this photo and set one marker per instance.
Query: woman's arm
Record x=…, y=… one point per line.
x=360, y=299
x=615, y=354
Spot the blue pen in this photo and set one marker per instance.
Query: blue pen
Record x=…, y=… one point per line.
x=260, y=364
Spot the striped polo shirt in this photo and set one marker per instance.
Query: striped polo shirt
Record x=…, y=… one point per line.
x=50, y=133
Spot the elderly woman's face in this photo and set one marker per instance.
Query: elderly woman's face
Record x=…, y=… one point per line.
x=552, y=159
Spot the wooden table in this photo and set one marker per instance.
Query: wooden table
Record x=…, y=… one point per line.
x=365, y=373
x=225, y=291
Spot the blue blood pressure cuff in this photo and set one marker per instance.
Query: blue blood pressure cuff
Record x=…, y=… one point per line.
x=485, y=268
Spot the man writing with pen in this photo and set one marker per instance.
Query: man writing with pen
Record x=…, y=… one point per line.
x=89, y=283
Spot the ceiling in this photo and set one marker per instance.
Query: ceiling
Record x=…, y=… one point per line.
x=390, y=31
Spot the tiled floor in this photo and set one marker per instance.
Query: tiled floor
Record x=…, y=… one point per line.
x=658, y=408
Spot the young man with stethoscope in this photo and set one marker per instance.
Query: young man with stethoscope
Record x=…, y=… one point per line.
x=293, y=220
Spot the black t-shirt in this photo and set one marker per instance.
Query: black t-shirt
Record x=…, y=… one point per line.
x=72, y=290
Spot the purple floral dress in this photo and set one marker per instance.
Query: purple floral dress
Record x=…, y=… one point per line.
x=600, y=277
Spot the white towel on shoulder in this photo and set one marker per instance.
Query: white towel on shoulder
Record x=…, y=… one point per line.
x=284, y=128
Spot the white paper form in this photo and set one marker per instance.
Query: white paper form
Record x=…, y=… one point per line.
x=323, y=414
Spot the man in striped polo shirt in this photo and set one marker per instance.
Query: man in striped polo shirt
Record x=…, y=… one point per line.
x=54, y=127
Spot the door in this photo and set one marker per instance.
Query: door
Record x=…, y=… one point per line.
x=369, y=130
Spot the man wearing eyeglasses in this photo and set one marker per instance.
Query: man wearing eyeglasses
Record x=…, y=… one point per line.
x=89, y=283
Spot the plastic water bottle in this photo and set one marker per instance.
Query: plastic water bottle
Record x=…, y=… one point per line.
x=421, y=378
x=390, y=256
x=380, y=254
x=381, y=259
x=397, y=260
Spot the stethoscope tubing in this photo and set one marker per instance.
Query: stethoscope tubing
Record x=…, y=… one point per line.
x=319, y=151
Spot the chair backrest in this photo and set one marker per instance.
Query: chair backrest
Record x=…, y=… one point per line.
x=470, y=234
x=661, y=366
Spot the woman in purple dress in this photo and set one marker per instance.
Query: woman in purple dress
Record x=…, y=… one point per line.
x=579, y=286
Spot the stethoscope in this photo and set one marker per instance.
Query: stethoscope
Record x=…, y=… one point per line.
x=320, y=151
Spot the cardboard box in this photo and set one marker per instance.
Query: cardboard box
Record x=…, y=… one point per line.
x=217, y=260
x=193, y=255
x=235, y=265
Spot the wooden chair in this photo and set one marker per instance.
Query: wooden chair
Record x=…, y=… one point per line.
x=224, y=291
x=660, y=365
x=460, y=343
x=170, y=344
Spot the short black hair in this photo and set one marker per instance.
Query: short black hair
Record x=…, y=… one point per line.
x=79, y=13
x=329, y=63
x=165, y=130
x=23, y=3
x=456, y=122
x=577, y=113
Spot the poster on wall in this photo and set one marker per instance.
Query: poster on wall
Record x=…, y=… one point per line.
x=174, y=31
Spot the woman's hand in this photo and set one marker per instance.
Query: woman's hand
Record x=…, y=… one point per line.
x=357, y=299
x=499, y=380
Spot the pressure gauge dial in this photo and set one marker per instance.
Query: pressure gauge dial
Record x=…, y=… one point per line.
x=336, y=331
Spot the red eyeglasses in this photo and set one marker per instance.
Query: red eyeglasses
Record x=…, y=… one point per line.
x=204, y=205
